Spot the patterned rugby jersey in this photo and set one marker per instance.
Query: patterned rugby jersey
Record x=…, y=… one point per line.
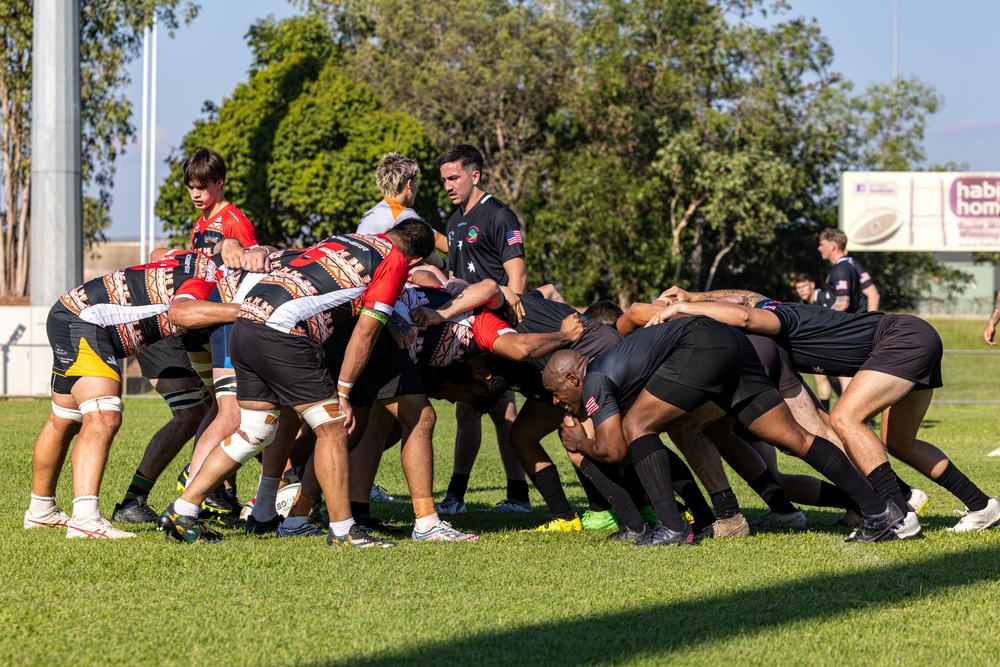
x=132, y=303
x=311, y=289
x=452, y=340
x=230, y=223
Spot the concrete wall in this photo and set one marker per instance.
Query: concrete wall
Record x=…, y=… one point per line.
x=25, y=356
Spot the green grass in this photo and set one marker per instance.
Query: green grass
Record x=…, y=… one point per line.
x=805, y=598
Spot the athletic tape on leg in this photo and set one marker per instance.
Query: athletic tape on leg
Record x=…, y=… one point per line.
x=225, y=386
x=103, y=404
x=67, y=413
x=323, y=413
x=256, y=431
x=184, y=399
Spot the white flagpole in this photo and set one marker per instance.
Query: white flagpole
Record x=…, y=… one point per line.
x=152, y=144
x=143, y=138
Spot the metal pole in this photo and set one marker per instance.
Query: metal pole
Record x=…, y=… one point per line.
x=144, y=138
x=56, y=137
x=895, y=41
x=152, y=145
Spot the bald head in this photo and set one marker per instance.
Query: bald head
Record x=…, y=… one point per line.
x=561, y=364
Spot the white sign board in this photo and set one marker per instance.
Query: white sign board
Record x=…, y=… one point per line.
x=926, y=211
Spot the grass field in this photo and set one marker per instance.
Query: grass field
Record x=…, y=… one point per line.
x=803, y=598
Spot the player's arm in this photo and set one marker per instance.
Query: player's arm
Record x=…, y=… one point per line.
x=484, y=293
x=874, y=298
x=550, y=293
x=608, y=444
x=991, y=326
x=190, y=313
x=749, y=319
x=517, y=276
x=734, y=296
x=532, y=346
x=637, y=315
x=440, y=243
x=425, y=278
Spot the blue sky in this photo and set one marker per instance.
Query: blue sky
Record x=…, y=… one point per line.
x=952, y=46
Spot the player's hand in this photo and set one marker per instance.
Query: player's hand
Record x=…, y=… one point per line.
x=515, y=309
x=232, y=253
x=674, y=294
x=663, y=315
x=256, y=260
x=455, y=286
x=572, y=327
x=422, y=316
x=348, y=412
x=989, y=333
x=572, y=434
x=401, y=331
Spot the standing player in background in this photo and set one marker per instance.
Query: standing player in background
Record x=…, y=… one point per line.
x=808, y=293
x=484, y=241
x=166, y=363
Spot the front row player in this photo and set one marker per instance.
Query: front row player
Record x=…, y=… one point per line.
x=276, y=347
x=90, y=328
x=660, y=373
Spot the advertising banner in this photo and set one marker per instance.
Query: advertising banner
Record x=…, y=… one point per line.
x=926, y=211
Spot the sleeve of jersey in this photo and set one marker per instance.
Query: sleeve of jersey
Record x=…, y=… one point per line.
x=238, y=226
x=840, y=279
x=487, y=328
x=508, y=235
x=864, y=278
x=598, y=401
x=387, y=284
x=194, y=288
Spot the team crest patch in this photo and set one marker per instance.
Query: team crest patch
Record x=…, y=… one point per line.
x=472, y=235
x=591, y=406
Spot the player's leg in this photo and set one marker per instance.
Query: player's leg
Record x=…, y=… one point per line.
x=264, y=519
x=535, y=421
x=48, y=457
x=503, y=415
x=468, y=439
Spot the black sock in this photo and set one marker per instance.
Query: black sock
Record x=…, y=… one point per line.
x=595, y=501
x=517, y=489
x=685, y=486
x=608, y=481
x=904, y=488
x=652, y=464
x=955, y=481
x=725, y=503
x=547, y=482
x=831, y=496
x=883, y=480
x=458, y=485
x=766, y=486
x=631, y=481
x=825, y=402
x=359, y=510
x=833, y=464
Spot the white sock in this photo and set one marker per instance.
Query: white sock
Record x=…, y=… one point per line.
x=41, y=505
x=425, y=523
x=341, y=528
x=184, y=508
x=267, y=492
x=293, y=522
x=84, y=507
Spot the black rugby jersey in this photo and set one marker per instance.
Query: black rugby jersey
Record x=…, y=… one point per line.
x=825, y=341
x=313, y=288
x=847, y=278
x=480, y=241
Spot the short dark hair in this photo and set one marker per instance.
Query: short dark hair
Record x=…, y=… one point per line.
x=203, y=167
x=464, y=154
x=413, y=237
x=802, y=278
x=604, y=311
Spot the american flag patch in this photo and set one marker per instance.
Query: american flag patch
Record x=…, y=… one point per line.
x=591, y=406
x=514, y=237
x=865, y=277
x=841, y=284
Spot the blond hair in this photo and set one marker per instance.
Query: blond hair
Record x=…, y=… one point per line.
x=393, y=172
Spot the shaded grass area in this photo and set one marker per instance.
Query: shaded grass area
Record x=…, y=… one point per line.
x=511, y=597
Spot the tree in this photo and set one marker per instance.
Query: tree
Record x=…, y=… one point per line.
x=111, y=36
x=301, y=141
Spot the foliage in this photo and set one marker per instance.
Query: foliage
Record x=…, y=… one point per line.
x=111, y=37
x=301, y=141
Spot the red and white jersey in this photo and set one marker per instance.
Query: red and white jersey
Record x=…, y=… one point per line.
x=230, y=223
x=133, y=302
x=455, y=339
x=384, y=216
x=311, y=289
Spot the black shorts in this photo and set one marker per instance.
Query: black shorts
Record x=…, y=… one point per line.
x=389, y=372
x=278, y=367
x=79, y=349
x=776, y=362
x=907, y=347
x=165, y=359
x=715, y=362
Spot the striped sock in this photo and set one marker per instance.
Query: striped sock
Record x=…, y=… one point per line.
x=139, y=488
